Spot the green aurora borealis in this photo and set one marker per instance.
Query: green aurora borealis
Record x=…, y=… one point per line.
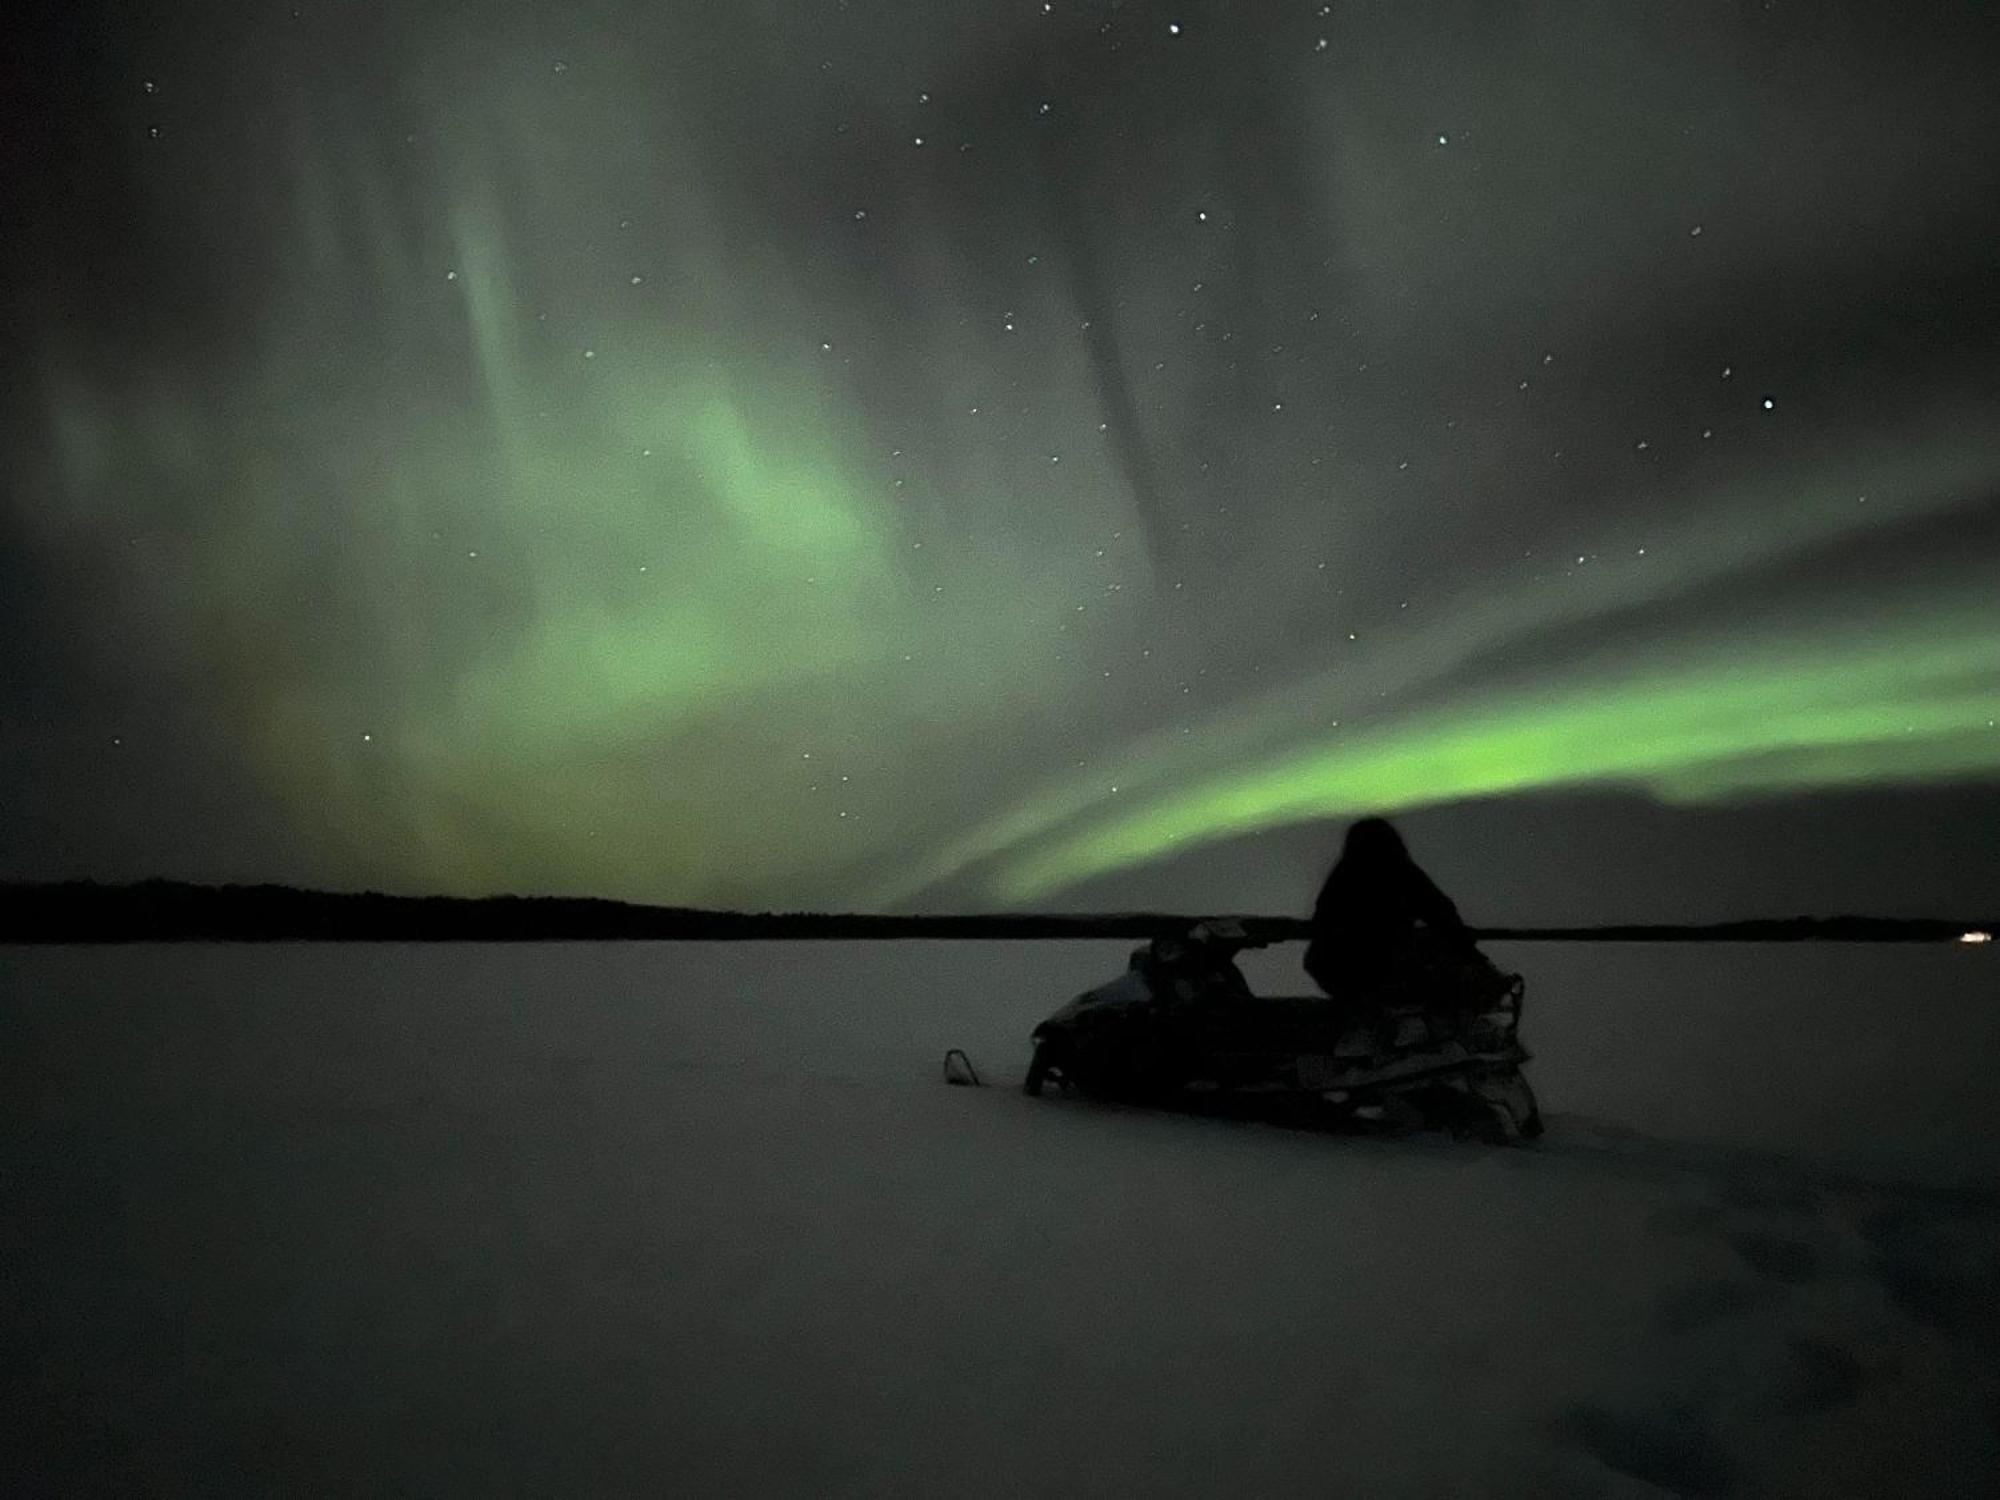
x=548, y=467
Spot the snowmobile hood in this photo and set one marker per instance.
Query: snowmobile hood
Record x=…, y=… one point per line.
x=1127, y=992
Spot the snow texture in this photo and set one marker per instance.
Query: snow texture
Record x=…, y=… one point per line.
x=705, y=1220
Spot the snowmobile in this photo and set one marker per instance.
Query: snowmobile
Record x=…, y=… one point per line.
x=1436, y=1046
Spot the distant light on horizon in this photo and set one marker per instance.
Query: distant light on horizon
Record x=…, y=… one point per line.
x=1975, y=937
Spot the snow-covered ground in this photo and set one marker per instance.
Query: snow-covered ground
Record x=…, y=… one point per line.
x=704, y=1220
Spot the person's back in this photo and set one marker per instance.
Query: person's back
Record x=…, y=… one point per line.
x=1375, y=902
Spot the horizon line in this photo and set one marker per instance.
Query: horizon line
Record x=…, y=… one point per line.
x=162, y=909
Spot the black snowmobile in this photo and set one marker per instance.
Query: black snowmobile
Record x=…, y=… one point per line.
x=1434, y=1047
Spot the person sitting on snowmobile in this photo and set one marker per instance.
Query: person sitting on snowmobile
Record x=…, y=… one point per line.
x=1365, y=924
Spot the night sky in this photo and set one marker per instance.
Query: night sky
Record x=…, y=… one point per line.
x=983, y=453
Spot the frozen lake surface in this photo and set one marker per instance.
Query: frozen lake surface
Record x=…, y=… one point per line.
x=704, y=1219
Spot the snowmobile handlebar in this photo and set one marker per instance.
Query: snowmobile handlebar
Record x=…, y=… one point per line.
x=1227, y=931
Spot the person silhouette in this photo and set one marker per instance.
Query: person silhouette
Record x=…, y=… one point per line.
x=1374, y=902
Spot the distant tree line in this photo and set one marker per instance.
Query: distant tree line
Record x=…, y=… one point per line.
x=166, y=911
